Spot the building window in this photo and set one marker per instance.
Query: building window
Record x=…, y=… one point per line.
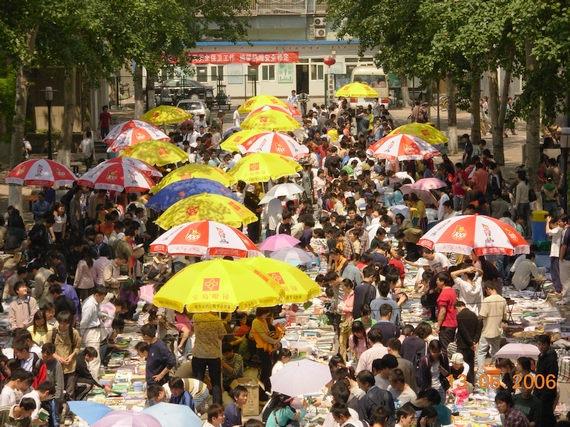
x=268, y=72
x=216, y=72
x=202, y=74
x=317, y=72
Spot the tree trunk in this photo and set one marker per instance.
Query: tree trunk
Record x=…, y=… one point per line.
x=139, y=93
x=65, y=145
x=451, y=116
x=498, y=151
x=151, y=102
x=532, y=161
x=19, y=122
x=405, y=91
x=476, y=108
x=85, y=106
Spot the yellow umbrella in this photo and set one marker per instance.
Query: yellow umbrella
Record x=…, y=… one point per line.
x=271, y=120
x=425, y=131
x=261, y=167
x=165, y=114
x=218, y=285
x=231, y=144
x=259, y=101
x=206, y=206
x=194, y=171
x=297, y=285
x=157, y=153
x=356, y=90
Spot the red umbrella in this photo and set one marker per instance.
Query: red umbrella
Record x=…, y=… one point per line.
x=42, y=172
x=116, y=177
x=134, y=136
x=274, y=142
x=479, y=233
x=137, y=163
x=402, y=147
x=122, y=127
x=205, y=238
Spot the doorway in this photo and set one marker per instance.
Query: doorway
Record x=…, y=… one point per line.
x=302, y=72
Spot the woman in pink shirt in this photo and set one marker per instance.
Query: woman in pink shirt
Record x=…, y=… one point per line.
x=358, y=342
x=345, y=308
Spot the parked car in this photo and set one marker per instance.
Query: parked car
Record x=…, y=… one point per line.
x=173, y=90
x=196, y=107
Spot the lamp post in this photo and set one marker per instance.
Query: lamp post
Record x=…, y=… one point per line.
x=255, y=63
x=564, y=142
x=49, y=93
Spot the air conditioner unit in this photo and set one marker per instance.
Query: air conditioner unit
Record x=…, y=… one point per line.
x=319, y=22
x=320, y=33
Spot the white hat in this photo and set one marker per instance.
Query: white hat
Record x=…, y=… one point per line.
x=457, y=358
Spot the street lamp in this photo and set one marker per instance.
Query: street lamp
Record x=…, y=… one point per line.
x=255, y=63
x=48, y=96
x=564, y=142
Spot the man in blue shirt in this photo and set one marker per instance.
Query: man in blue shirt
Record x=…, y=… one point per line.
x=40, y=207
x=233, y=411
x=159, y=359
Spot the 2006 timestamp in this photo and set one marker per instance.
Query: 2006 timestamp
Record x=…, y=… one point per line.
x=528, y=381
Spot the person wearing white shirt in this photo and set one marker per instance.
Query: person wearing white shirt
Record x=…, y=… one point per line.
x=44, y=391
x=274, y=213
x=377, y=351
x=90, y=326
x=468, y=285
x=443, y=197
x=343, y=417
x=236, y=117
x=506, y=218
x=99, y=265
x=399, y=390
x=292, y=99
x=556, y=229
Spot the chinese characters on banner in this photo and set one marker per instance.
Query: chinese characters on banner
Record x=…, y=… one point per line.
x=242, y=58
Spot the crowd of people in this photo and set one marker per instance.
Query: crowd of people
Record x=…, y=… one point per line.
x=87, y=257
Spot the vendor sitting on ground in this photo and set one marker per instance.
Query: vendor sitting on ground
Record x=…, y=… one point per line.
x=525, y=273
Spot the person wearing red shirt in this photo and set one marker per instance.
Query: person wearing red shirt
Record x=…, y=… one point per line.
x=104, y=122
x=480, y=178
x=446, y=314
x=460, y=178
x=396, y=262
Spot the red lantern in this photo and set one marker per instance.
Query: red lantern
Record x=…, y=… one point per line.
x=255, y=62
x=329, y=60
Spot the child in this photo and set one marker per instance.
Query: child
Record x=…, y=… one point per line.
x=21, y=311
x=396, y=262
x=39, y=328
x=405, y=416
x=49, y=310
x=18, y=383
x=280, y=357
x=319, y=244
x=358, y=342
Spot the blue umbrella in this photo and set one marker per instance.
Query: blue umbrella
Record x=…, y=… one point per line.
x=90, y=412
x=170, y=415
x=179, y=190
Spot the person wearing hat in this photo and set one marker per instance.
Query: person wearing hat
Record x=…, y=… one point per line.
x=459, y=369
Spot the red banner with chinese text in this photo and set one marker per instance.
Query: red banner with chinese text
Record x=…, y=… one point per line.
x=242, y=58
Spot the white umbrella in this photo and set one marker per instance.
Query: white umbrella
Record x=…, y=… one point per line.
x=300, y=377
x=289, y=190
x=293, y=256
x=516, y=350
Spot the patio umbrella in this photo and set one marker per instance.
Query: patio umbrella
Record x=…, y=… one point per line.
x=135, y=136
x=293, y=256
x=300, y=377
x=157, y=153
x=195, y=171
x=171, y=415
x=516, y=350
x=191, y=187
x=402, y=147
x=279, y=241
x=274, y=142
x=288, y=189
x=165, y=114
x=219, y=285
x=122, y=127
x=479, y=233
x=356, y=90
x=259, y=101
x=233, y=141
x=127, y=419
x=206, y=207
x=43, y=172
x=230, y=131
x=428, y=133
x=261, y=167
x=423, y=188
x=137, y=163
x=116, y=177
x=271, y=121
x=147, y=293
x=205, y=238
x=288, y=109
x=297, y=285
x=90, y=412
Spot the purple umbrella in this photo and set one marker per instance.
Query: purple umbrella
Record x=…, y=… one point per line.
x=293, y=256
x=127, y=419
x=423, y=188
x=278, y=241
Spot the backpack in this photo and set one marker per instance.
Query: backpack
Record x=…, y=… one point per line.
x=531, y=195
x=71, y=336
